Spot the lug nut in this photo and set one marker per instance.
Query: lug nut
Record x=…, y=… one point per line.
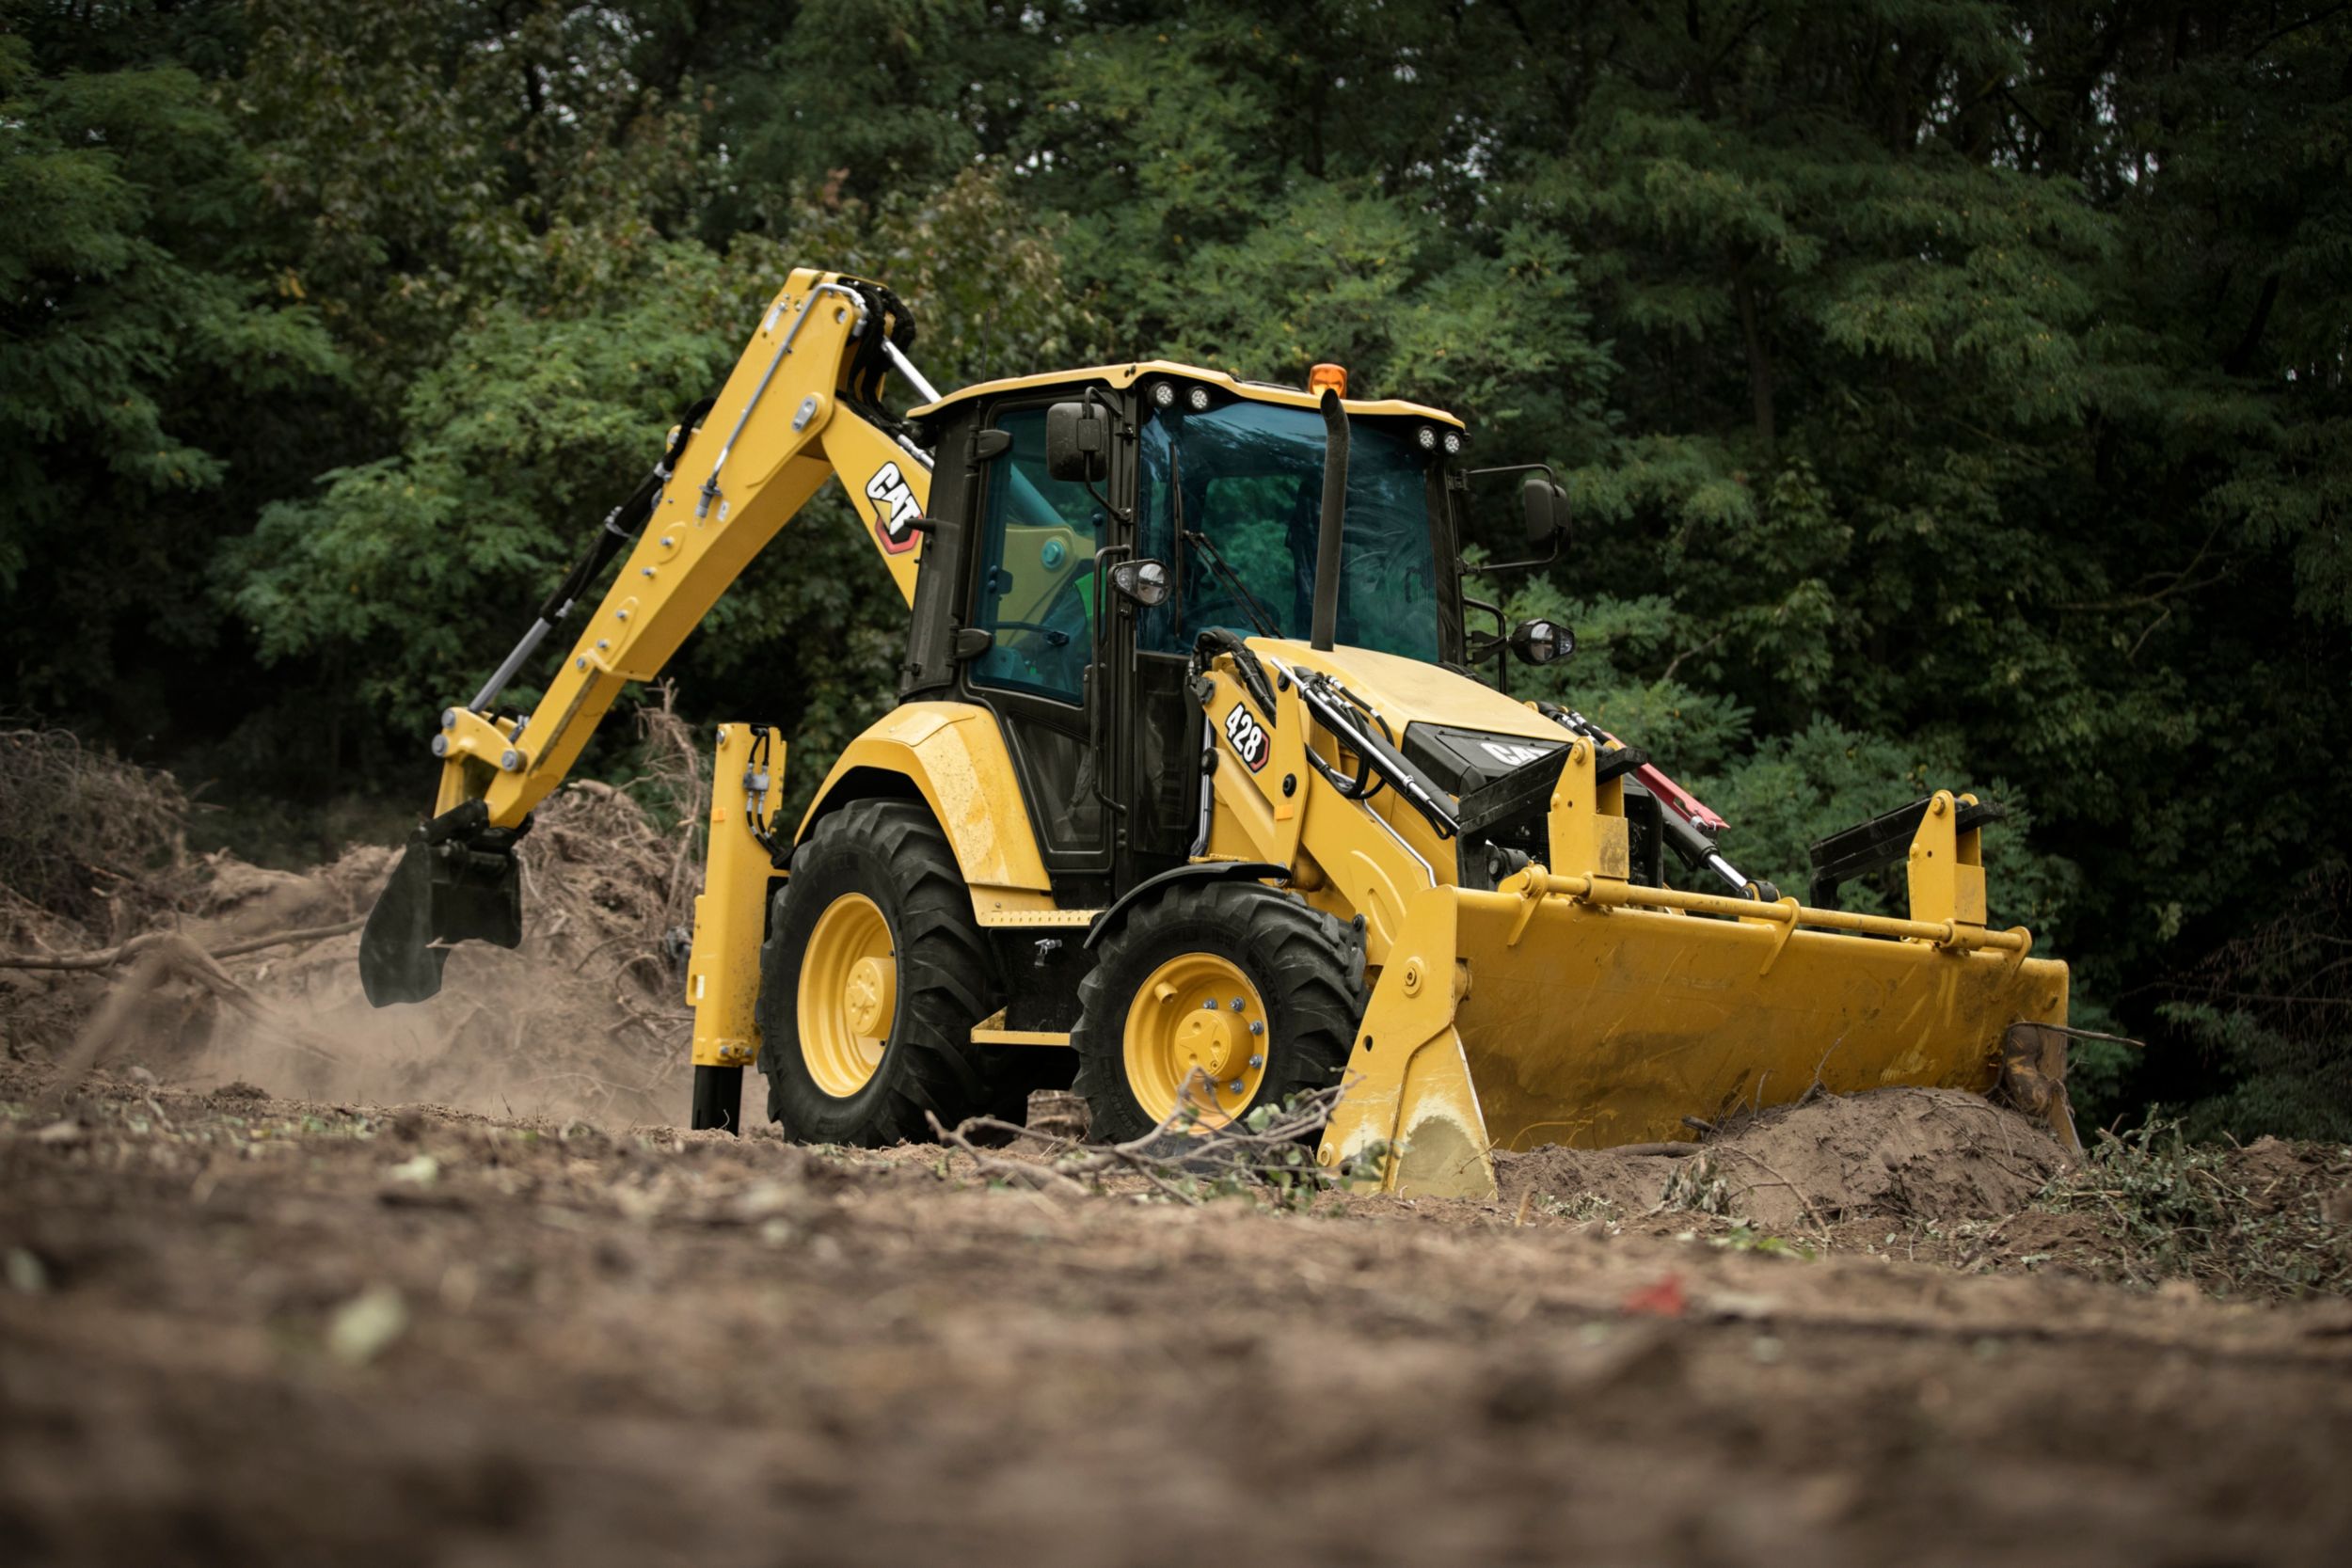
x=1257, y=1061
x=1235, y=1085
x=1256, y=1028
x=1209, y=1005
x=1237, y=1004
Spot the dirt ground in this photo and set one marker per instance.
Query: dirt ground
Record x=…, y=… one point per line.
x=247, y=1330
x=443, y=1289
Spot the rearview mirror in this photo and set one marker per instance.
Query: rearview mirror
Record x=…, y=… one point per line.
x=1547, y=508
x=1542, y=641
x=1144, y=581
x=1077, y=442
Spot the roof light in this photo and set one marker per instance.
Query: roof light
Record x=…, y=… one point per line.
x=1199, y=398
x=1453, y=443
x=1163, y=395
x=1333, y=376
x=1427, y=436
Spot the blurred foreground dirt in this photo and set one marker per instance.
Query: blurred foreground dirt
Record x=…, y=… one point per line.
x=243, y=1330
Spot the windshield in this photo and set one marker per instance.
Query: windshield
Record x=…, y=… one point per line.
x=1252, y=483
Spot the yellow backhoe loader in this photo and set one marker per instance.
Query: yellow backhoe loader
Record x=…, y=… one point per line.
x=1191, y=797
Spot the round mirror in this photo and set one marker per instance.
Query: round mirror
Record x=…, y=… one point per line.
x=1541, y=642
x=1144, y=581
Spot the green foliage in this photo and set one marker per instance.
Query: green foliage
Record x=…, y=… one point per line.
x=2251, y=1222
x=2269, y=1009
x=527, y=424
x=139, y=329
x=1951, y=392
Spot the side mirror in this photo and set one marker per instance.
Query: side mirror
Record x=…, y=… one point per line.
x=1077, y=442
x=1547, y=508
x=1144, y=581
x=1542, y=641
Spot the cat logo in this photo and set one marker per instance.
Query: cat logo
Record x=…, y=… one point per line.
x=895, y=510
x=1514, y=756
x=1249, y=743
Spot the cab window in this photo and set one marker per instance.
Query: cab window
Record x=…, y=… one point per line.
x=1036, y=588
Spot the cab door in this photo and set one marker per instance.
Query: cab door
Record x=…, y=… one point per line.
x=1034, y=591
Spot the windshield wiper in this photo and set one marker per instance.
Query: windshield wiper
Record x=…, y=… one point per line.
x=1248, y=600
x=1201, y=542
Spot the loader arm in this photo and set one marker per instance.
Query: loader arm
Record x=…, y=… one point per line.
x=802, y=405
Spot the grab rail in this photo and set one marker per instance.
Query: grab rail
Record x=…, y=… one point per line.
x=1534, y=882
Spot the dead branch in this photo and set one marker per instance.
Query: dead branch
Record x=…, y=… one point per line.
x=168, y=955
x=1232, y=1149
x=1798, y=1193
x=107, y=958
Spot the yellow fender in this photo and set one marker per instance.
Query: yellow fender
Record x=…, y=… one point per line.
x=955, y=756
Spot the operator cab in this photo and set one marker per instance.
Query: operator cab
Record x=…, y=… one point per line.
x=1218, y=479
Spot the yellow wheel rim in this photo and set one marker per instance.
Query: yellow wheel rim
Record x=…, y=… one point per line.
x=849, y=995
x=1197, y=1033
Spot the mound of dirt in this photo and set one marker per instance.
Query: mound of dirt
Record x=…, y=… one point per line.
x=1896, y=1153
x=587, y=1019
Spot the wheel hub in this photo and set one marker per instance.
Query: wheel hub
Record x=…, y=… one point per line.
x=1206, y=1042
x=866, y=996
x=849, y=994
x=1197, y=1036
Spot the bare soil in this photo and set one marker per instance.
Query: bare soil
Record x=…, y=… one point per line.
x=251, y=1330
x=585, y=1018
x=1931, y=1154
x=284, y=1279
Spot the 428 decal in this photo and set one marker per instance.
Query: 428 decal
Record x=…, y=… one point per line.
x=1248, y=738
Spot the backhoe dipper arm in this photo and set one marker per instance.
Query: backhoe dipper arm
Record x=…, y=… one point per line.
x=801, y=407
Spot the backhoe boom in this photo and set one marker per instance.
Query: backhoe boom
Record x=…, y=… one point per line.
x=802, y=405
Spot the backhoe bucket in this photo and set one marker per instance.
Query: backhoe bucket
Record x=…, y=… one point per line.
x=439, y=893
x=1584, y=1012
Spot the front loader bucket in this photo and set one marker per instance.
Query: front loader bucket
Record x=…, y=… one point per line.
x=1563, y=1011
x=439, y=893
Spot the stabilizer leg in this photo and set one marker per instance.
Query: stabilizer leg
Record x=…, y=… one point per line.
x=718, y=1099
x=730, y=919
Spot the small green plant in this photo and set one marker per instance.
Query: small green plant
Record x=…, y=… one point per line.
x=1695, y=1187
x=1582, y=1207
x=1744, y=1237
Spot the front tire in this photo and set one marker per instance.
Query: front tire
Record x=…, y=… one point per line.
x=1159, y=1026
x=872, y=975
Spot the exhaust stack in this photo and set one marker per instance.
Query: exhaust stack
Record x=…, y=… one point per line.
x=1326, y=606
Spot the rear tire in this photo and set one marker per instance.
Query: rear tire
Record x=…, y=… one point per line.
x=1145, y=1024
x=872, y=975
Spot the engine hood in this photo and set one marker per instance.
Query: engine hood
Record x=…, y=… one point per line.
x=1408, y=692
